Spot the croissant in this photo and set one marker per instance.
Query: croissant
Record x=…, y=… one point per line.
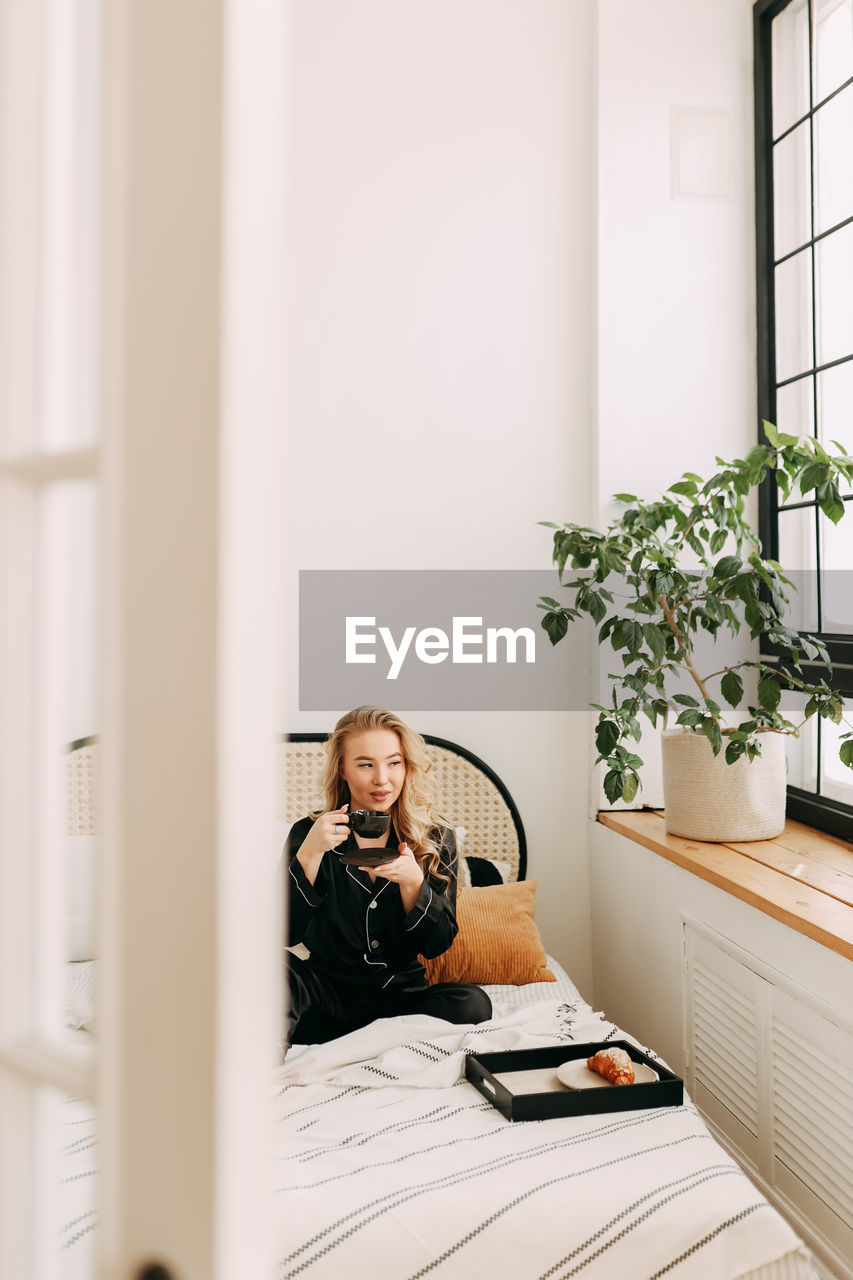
x=613, y=1064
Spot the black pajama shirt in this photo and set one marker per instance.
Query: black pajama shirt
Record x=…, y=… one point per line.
x=364, y=947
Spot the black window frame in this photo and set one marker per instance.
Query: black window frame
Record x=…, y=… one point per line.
x=816, y=810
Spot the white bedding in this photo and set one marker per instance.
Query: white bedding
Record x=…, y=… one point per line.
x=388, y=1164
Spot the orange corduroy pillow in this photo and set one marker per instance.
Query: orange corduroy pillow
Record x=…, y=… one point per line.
x=498, y=940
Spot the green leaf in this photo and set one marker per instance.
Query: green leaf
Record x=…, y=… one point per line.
x=813, y=476
x=846, y=753
x=727, y=567
x=778, y=439
x=711, y=730
x=626, y=497
x=731, y=687
x=685, y=700
x=556, y=624
x=769, y=693
x=606, y=736
x=655, y=640
x=633, y=635
x=595, y=606
x=832, y=507
x=718, y=541
x=605, y=629
x=631, y=787
x=685, y=487
x=613, y=786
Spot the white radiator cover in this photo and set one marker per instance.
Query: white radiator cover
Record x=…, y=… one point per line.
x=771, y=1067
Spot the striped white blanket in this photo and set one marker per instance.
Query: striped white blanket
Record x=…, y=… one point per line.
x=390, y=1165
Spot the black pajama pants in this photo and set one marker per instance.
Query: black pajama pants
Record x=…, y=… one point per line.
x=320, y=1009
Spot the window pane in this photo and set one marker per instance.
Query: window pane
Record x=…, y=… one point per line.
x=795, y=407
x=798, y=558
x=835, y=405
x=790, y=61
x=833, y=45
x=800, y=751
x=834, y=289
x=794, y=316
x=833, y=133
x=836, y=778
x=792, y=215
x=836, y=572
x=65, y=710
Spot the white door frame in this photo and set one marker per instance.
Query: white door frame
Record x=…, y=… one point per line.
x=191, y=469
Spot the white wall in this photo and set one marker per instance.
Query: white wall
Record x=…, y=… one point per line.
x=441, y=286
x=502, y=313
x=676, y=276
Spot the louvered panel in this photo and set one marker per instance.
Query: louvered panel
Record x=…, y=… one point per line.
x=814, y=1146
x=813, y=1102
x=732, y=1042
x=724, y=1023
x=836, y=1075
x=706, y=974
x=713, y=1065
x=722, y=1047
x=716, y=1077
x=772, y=1066
x=835, y=1129
x=811, y=1167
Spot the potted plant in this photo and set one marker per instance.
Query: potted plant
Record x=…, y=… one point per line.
x=687, y=564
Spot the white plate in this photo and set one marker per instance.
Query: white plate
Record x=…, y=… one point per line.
x=577, y=1075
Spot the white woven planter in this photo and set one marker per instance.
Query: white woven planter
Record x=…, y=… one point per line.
x=707, y=799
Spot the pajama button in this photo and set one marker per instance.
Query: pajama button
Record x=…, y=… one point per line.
x=373, y=904
x=374, y=945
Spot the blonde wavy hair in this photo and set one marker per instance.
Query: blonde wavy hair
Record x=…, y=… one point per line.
x=413, y=812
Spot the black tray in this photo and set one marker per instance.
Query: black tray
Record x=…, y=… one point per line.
x=481, y=1068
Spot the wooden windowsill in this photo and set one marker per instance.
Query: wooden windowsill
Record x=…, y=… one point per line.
x=802, y=878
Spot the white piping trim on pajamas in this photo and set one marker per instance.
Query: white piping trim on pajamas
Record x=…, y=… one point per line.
x=411, y=926
x=354, y=877
x=299, y=887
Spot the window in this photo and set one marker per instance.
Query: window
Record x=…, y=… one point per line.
x=804, y=210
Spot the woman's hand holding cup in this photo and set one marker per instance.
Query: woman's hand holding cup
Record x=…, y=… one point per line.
x=330, y=830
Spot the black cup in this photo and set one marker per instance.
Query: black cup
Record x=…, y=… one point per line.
x=369, y=823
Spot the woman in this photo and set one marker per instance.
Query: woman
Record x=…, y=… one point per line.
x=366, y=926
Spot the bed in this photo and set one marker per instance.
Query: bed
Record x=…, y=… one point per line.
x=389, y=1163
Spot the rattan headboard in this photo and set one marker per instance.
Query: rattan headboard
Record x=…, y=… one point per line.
x=469, y=794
